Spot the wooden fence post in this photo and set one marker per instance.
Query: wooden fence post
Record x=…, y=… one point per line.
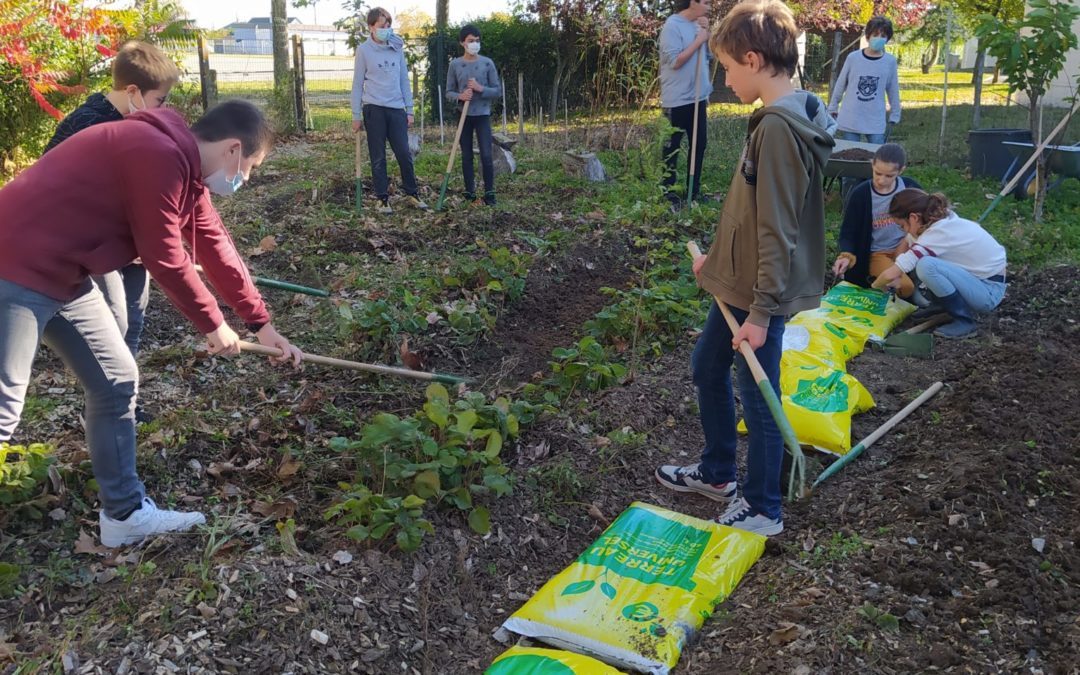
x=204, y=73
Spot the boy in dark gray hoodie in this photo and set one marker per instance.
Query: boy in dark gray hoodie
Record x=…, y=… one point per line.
x=475, y=79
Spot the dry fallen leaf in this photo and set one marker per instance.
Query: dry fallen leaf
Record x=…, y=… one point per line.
x=282, y=508
x=412, y=360
x=342, y=557
x=596, y=514
x=206, y=611
x=289, y=467
x=809, y=543
x=266, y=245
x=86, y=545
x=220, y=469
x=787, y=632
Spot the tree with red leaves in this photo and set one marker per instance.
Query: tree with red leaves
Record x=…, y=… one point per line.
x=45, y=45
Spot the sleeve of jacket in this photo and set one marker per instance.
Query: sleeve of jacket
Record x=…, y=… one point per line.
x=778, y=202
x=406, y=88
x=453, y=87
x=493, y=87
x=223, y=266
x=359, y=73
x=856, y=217
x=841, y=85
x=892, y=91
x=155, y=211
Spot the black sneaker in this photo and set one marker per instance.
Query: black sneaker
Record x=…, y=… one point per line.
x=489, y=199
x=141, y=416
x=470, y=197
x=688, y=479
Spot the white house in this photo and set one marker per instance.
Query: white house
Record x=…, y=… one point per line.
x=255, y=36
x=1064, y=87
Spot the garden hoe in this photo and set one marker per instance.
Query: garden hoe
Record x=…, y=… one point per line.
x=798, y=464
x=835, y=467
x=693, y=133
x=450, y=164
x=914, y=342
x=359, y=173
x=355, y=365
x=283, y=285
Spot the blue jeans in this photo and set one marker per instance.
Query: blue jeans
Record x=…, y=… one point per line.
x=853, y=136
x=481, y=125
x=127, y=292
x=711, y=363
x=382, y=125
x=943, y=278
x=85, y=335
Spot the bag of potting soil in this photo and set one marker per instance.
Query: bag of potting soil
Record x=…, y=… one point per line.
x=819, y=402
x=862, y=312
x=536, y=661
x=831, y=343
x=636, y=596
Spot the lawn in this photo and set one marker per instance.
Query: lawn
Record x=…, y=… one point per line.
x=572, y=308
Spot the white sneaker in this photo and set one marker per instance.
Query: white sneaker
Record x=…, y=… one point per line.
x=742, y=516
x=689, y=479
x=145, y=522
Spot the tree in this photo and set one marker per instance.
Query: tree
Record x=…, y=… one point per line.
x=969, y=13
x=1031, y=53
x=932, y=31
x=413, y=22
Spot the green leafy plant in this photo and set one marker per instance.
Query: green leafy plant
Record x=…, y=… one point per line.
x=583, y=366
x=22, y=471
x=447, y=453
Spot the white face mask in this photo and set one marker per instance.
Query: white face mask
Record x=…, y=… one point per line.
x=132, y=108
x=220, y=185
x=472, y=47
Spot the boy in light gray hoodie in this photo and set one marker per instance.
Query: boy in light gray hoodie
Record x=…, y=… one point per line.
x=382, y=104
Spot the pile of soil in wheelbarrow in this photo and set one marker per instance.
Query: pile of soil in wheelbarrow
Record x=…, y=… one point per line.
x=854, y=155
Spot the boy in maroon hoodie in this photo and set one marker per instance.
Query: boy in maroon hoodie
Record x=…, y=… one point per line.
x=117, y=191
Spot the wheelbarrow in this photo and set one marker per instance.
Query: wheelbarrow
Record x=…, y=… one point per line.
x=1063, y=160
x=848, y=168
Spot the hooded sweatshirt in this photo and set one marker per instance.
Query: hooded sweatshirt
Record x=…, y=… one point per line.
x=381, y=77
x=119, y=191
x=768, y=255
x=94, y=110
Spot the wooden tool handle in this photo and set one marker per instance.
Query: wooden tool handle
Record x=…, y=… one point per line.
x=932, y=322
x=353, y=365
x=744, y=347
x=457, y=137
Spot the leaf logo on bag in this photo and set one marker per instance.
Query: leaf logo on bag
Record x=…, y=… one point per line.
x=824, y=394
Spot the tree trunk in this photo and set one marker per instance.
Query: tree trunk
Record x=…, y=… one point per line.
x=279, y=18
x=929, y=57
x=834, y=67
x=977, y=79
x=1035, y=120
x=442, y=14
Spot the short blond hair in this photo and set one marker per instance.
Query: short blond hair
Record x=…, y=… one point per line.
x=145, y=66
x=763, y=26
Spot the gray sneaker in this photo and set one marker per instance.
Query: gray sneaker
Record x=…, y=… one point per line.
x=418, y=203
x=689, y=479
x=384, y=207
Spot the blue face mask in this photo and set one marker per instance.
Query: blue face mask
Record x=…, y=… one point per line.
x=877, y=44
x=220, y=185
x=384, y=34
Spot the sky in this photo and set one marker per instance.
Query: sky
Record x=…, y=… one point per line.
x=217, y=13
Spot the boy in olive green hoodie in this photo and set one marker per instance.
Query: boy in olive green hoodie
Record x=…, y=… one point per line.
x=766, y=261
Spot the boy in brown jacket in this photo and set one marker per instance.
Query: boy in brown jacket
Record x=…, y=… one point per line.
x=767, y=261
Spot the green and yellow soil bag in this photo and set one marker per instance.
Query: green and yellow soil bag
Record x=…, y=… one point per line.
x=861, y=312
x=819, y=401
x=639, y=593
x=536, y=661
